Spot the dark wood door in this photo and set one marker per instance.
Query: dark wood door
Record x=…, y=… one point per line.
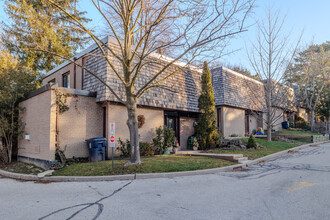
x=247, y=128
x=173, y=122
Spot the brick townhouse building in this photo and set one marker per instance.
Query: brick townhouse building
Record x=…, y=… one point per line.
x=90, y=106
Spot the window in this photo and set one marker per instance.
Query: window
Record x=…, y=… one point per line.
x=219, y=118
x=51, y=82
x=66, y=80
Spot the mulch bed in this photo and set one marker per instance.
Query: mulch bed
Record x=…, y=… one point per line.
x=19, y=167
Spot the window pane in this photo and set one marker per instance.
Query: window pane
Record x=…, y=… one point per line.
x=66, y=80
x=53, y=81
x=170, y=123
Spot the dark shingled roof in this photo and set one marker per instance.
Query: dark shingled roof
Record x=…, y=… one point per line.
x=236, y=90
x=178, y=92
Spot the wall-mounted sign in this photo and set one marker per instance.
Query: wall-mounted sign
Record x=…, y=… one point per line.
x=112, y=134
x=27, y=137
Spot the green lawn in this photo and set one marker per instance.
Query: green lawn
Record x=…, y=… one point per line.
x=19, y=167
x=296, y=133
x=271, y=147
x=155, y=164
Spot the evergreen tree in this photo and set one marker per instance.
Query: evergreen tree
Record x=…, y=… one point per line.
x=35, y=26
x=252, y=143
x=206, y=127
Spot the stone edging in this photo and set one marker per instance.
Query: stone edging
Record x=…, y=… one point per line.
x=26, y=177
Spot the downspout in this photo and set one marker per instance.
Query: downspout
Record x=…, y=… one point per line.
x=74, y=73
x=57, y=130
x=82, y=73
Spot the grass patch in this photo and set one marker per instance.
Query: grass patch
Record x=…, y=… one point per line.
x=271, y=147
x=20, y=167
x=296, y=133
x=155, y=164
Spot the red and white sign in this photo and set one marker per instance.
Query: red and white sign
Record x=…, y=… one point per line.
x=112, y=132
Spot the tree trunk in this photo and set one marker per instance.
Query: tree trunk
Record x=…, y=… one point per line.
x=132, y=124
x=269, y=110
x=269, y=132
x=10, y=152
x=312, y=119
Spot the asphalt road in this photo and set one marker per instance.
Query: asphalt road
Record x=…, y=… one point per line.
x=296, y=186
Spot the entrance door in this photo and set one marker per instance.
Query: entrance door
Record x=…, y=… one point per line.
x=173, y=122
x=247, y=127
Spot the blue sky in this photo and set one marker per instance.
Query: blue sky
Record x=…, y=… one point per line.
x=312, y=16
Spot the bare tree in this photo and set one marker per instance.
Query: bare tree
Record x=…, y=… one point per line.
x=185, y=29
x=271, y=54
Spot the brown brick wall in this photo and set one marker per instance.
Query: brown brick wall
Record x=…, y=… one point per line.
x=39, y=119
x=83, y=120
x=118, y=114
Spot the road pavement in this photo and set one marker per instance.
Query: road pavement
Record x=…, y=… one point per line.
x=295, y=186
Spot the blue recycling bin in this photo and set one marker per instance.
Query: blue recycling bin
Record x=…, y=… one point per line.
x=285, y=124
x=96, y=147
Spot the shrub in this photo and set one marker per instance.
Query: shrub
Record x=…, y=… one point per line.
x=146, y=149
x=169, y=137
x=301, y=123
x=124, y=148
x=158, y=140
x=251, y=143
x=216, y=138
x=234, y=135
x=290, y=124
x=165, y=138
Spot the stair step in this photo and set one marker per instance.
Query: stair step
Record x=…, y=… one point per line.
x=243, y=160
x=231, y=157
x=186, y=152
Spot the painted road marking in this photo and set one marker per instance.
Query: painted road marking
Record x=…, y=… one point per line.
x=300, y=185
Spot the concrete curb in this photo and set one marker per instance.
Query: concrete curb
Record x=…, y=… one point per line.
x=281, y=153
x=25, y=177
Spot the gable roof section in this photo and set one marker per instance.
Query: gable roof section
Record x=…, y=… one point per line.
x=236, y=90
x=178, y=92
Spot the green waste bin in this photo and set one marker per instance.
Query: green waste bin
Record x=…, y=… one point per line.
x=190, y=144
